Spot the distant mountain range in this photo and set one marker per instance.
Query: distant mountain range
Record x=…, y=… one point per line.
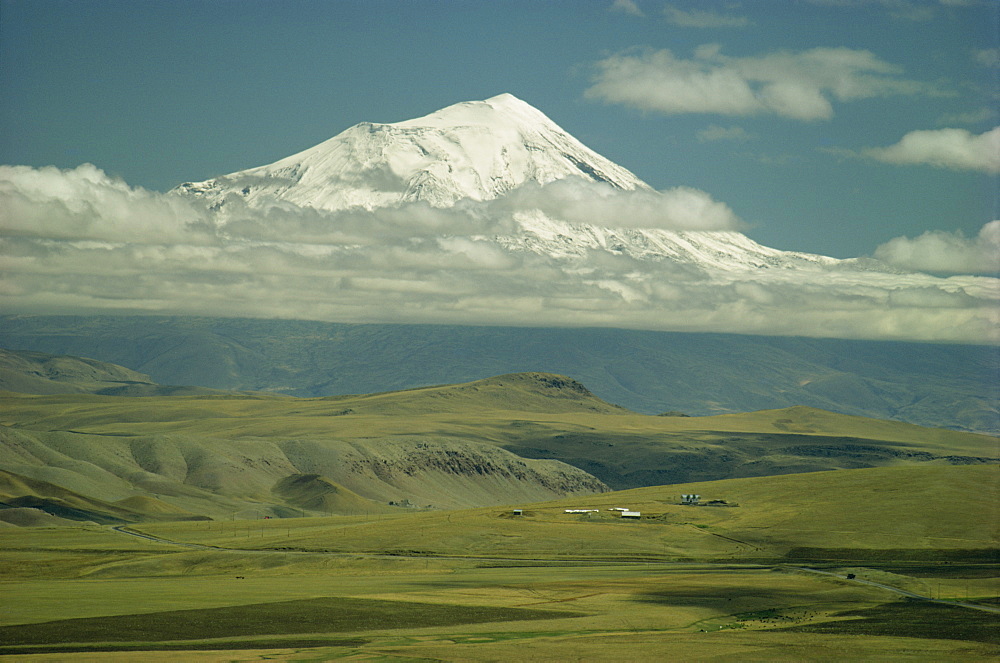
x=950, y=386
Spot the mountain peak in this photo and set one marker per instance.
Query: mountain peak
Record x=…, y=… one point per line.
x=503, y=115
x=503, y=109
x=475, y=149
x=505, y=98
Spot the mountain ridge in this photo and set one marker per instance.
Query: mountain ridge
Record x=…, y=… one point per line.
x=938, y=385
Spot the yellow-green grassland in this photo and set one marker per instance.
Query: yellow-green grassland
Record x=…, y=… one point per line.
x=254, y=527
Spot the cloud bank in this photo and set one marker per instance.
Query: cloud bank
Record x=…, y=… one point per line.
x=78, y=241
x=796, y=85
x=944, y=252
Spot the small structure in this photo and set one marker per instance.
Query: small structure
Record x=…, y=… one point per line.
x=581, y=510
x=690, y=499
x=634, y=515
x=518, y=512
x=617, y=508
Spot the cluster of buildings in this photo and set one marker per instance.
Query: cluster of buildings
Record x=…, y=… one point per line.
x=625, y=513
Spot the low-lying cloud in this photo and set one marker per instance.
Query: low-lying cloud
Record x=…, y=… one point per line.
x=946, y=252
x=578, y=201
x=78, y=241
x=798, y=85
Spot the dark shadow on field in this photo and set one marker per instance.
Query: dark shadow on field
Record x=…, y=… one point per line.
x=944, y=570
x=727, y=600
x=627, y=460
x=928, y=556
x=319, y=615
x=214, y=645
x=913, y=619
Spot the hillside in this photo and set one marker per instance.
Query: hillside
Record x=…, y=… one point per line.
x=946, y=386
x=512, y=438
x=899, y=513
x=41, y=373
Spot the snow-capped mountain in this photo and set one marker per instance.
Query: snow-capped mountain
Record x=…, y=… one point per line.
x=478, y=150
x=481, y=151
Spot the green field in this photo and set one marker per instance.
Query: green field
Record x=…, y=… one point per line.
x=250, y=527
x=518, y=438
x=683, y=582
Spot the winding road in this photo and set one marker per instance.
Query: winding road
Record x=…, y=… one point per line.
x=903, y=592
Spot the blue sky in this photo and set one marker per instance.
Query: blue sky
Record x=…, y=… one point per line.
x=158, y=93
x=847, y=128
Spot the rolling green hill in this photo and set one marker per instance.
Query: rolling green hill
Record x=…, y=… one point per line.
x=512, y=438
x=41, y=373
x=890, y=513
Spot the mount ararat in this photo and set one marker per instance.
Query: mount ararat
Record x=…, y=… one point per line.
x=478, y=240
x=503, y=148
x=497, y=186
x=482, y=213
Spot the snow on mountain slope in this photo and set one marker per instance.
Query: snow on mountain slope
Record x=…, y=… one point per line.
x=482, y=151
x=484, y=213
x=477, y=150
x=715, y=250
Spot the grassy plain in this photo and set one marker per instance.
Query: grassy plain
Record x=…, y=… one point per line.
x=759, y=576
x=683, y=583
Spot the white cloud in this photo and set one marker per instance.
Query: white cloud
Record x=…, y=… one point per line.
x=578, y=201
x=627, y=7
x=714, y=133
x=800, y=86
x=945, y=252
x=988, y=57
x=957, y=149
x=108, y=247
x=84, y=203
x=968, y=117
x=699, y=18
x=910, y=10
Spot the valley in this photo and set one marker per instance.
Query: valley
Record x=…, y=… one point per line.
x=484, y=584
x=483, y=521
